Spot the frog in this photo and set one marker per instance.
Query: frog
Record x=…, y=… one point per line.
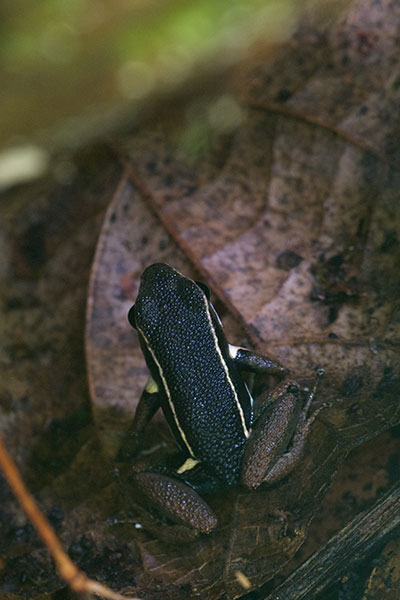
x=197, y=378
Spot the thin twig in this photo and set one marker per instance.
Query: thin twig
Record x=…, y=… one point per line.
x=75, y=578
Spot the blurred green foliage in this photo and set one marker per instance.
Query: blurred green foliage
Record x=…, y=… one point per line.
x=73, y=69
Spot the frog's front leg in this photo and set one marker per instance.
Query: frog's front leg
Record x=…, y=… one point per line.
x=177, y=501
x=247, y=360
x=147, y=406
x=277, y=441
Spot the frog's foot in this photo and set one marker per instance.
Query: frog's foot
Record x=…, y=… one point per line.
x=176, y=501
x=312, y=393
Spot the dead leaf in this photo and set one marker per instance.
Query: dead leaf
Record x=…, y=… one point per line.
x=295, y=233
x=293, y=222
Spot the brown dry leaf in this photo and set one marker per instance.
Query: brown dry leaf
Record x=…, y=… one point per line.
x=293, y=223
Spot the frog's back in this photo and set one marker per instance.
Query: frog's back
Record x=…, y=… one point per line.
x=205, y=401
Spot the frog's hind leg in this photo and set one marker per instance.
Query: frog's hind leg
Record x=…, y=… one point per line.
x=279, y=436
x=287, y=462
x=176, y=501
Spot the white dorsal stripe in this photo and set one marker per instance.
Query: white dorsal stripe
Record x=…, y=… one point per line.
x=171, y=404
x=225, y=367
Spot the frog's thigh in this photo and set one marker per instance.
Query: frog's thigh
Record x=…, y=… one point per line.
x=177, y=501
x=269, y=440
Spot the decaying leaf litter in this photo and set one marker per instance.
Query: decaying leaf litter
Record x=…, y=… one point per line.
x=295, y=234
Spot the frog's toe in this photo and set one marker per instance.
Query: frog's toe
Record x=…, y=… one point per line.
x=177, y=501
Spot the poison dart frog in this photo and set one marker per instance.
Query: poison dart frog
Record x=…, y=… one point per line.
x=196, y=379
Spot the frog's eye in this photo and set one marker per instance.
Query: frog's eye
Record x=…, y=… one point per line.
x=131, y=317
x=203, y=288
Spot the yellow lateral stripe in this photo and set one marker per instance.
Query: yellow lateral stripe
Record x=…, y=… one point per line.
x=171, y=404
x=151, y=386
x=189, y=463
x=225, y=366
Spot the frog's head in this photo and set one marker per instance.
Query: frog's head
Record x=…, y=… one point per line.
x=166, y=299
